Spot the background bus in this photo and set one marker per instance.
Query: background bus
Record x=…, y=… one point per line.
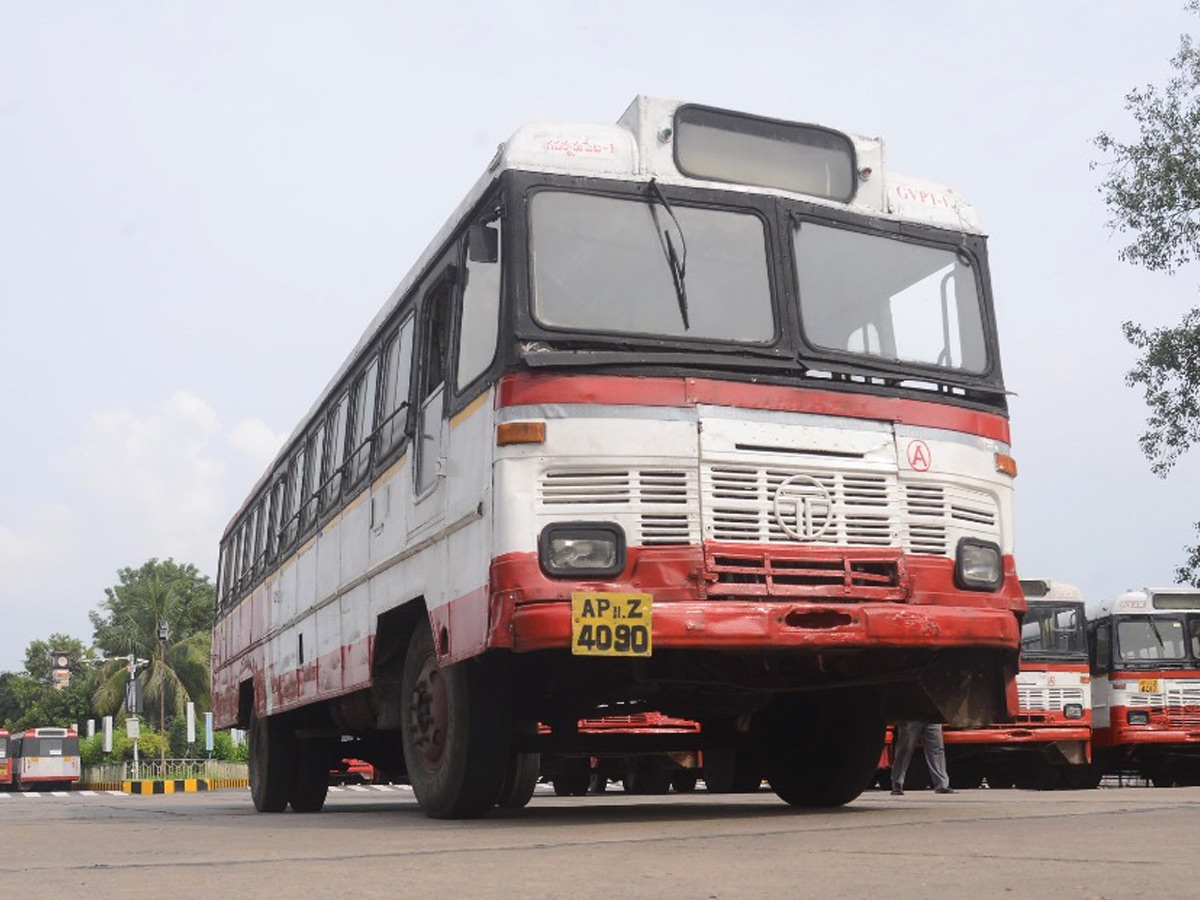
x=1145, y=656
x=1048, y=744
x=699, y=413
x=5, y=762
x=45, y=758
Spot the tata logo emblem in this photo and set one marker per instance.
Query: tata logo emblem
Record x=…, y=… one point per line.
x=803, y=508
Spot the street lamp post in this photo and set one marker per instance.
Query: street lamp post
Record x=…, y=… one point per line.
x=164, y=631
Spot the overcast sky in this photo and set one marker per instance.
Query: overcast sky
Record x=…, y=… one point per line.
x=203, y=204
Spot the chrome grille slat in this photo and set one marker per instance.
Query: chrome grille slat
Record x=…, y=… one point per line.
x=870, y=507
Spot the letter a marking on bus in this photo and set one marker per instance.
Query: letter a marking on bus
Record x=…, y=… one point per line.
x=919, y=457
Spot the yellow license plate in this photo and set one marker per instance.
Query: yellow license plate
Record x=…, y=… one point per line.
x=1147, y=685
x=610, y=624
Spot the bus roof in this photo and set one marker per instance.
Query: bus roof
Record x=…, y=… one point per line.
x=1048, y=589
x=641, y=146
x=1147, y=600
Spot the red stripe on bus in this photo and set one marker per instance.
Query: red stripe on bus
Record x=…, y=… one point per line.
x=526, y=389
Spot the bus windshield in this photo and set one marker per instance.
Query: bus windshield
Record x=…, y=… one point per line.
x=1150, y=639
x=1053, y=630
x=605, y=265
x=893, y=299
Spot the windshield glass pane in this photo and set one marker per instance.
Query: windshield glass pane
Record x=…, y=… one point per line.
x=601, y=264
x=1145, y=639
x=1052, y=630
x=888, y=298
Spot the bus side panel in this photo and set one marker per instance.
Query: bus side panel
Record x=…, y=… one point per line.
x=356, y=631
x=329, y=649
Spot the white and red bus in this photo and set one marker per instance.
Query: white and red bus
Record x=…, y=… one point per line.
x=699, y=412
x=1048, y=744
x=44, y=758
x=1145, y=655
x=5, y=762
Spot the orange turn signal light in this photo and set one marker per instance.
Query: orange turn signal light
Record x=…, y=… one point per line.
x=1006, y=464
x=520, y=433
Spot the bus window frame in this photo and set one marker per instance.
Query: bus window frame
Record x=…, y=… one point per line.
x=357, y=471
x=333, y=462
x=440, y=295
x=762, y=207
x=795, y=213
x=383, y=456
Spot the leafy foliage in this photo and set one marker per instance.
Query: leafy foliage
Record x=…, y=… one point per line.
x=127, y=624
x=29, y=700
x=1152, y=189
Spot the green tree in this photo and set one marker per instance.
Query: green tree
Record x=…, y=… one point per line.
x=29, y=699
x=127, y=624
x=1152, y=189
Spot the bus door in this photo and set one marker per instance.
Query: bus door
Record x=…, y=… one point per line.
x=1100, y=640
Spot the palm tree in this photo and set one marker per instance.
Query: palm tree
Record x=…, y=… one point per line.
x=128, y=625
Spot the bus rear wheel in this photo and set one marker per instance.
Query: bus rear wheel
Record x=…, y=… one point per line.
x=271, y=763
x=311, y=787
x=820, y=751
x=455, y=731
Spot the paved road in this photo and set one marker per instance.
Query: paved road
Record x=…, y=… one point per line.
x=368, y=843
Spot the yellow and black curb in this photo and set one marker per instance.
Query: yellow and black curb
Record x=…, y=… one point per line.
x=168, y=786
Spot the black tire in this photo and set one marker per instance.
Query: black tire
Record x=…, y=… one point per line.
x=820, y=751
x=311, y=787
x=520, y=780
x=647, y=775
x=271, y=763
x=684, y=780
x=573, y=778
x=1082, y=777
x=727, y=771
x=455, y=731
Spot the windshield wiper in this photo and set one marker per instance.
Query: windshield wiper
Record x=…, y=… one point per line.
x=677, y=262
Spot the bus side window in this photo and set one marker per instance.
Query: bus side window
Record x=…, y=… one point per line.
x=431, y=375
x=335, y=454
x=312, y=477
x=362, y=422
x=290, y=517
x=479, y=320
x=1102, y=650
x=397, y=372
x=273, y=521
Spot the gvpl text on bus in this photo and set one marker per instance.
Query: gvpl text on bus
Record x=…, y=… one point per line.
x=700, y=413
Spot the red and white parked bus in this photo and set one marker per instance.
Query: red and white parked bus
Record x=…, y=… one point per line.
x=1145, y=654
x=5, y=761
x=700, y=412
x=44, y=758
x=1048, y=744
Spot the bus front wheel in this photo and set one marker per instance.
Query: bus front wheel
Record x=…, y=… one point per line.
x=454, y=730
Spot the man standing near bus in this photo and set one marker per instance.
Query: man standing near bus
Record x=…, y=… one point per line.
x=930, y=734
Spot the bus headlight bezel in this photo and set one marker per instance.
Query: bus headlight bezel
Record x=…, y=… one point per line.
x=978, y=565
x=582, y=549
x=1137, y=716
x=1073, y=710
